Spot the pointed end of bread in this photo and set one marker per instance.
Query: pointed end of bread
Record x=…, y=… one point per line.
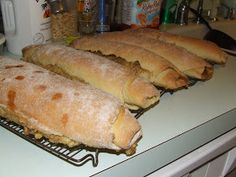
x=202, y=73
x=29, y=48
x=171, y=80
x=126, y=130
x=141, y=92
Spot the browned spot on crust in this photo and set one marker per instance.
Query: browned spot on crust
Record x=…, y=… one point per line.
x=76, y=94
x=57, y=96
x=3, y=79
x=11, y=95
x=13, y=66
x=19, y=77
x=41, y=88
x=64, y=119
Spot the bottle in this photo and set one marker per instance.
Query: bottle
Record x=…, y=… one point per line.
x=87, y=12
x=182, y=13
x=168, y=11
x=103, y=17
x=63, y=19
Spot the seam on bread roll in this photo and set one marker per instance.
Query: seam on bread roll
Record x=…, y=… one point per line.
x=131, y=65
x=63, y=110
x=180, y=57
x=93, y=69
x=161, y=72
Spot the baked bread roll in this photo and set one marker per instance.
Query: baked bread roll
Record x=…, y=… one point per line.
x=65, y=111
x=161, y=72
x=122, y=82
x=188, y=63
x=205, y=49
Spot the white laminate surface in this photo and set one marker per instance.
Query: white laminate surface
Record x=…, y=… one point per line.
x=199, y=157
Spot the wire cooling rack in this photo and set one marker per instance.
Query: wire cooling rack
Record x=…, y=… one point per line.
x=77, y=156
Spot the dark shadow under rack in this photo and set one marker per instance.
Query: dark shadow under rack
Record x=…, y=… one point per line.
x=78, y=155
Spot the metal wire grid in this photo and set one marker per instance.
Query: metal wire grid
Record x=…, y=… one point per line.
x=77, y=156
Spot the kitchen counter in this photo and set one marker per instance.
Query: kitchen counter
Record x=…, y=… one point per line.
x=180, y=123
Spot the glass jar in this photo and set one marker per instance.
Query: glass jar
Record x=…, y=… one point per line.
x=63, y=19
x=87, y=14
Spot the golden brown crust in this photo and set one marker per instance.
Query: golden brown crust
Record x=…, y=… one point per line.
x=63, y=110
x=205, y=49
x=95, y=70
x=161, y=72
x=14, y=117
x=186, y=62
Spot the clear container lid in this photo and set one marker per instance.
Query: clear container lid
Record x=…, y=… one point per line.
x=58, y=6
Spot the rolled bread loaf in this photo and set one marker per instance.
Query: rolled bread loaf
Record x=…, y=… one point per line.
x=205, y=49
x=114, y=78
x=161, y=73
x=65, y=111
x=188, y=63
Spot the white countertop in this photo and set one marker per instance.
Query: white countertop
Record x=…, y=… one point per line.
x=201, y=156
x=177, y=125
